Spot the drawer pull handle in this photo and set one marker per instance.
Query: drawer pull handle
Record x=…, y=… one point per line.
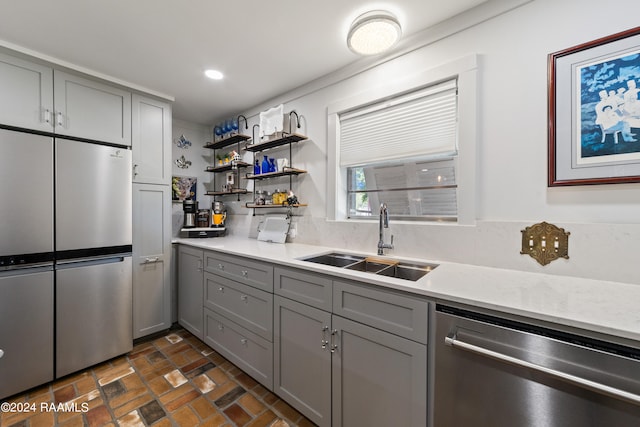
x=334, y=346
x=60, y=121
x=244, y=298
x=47, y=116
x=220, y=327
x=245, y=273
x=220, y=267
x=243, y=341
x=151, y=260
x=323, y=340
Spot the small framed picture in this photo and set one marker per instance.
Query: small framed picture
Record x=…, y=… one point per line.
x=183, y=188
x=230, y=179
x=594, y=112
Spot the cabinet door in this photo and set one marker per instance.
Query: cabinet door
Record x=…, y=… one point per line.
x=190, y=290
x=379, y=379
x=27, y=94
x=302, y=359
x=151, y=258
x=88, y=109
x=151, y=140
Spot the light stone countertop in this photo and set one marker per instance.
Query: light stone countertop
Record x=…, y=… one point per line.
x=604, y=307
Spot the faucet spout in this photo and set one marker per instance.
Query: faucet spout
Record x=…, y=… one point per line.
x=383, y=222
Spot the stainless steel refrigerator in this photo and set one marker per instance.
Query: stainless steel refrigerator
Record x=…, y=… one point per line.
x=26, y=261
x=93, y=270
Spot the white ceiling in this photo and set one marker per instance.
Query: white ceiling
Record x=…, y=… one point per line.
x=264, y=48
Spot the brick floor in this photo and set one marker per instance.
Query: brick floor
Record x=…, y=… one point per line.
x=171, y=380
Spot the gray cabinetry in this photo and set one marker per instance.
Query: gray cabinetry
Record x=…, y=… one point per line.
x=302, y=355
x=190, y=289
x=379, y=379
x=38, y=97
x=151, y=140
x=238, y=310
x=27, y=94
x=151, y=258
x=151, y=150
x=89, y=109
x=363, y=364
x=243, y=270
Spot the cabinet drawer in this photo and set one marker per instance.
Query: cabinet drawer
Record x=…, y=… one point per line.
x=386, y=310
x=250, y=352
x=243, y=304
x=302, y=286
x=243, y=270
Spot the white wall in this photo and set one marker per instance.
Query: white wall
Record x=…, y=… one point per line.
x=512, y=151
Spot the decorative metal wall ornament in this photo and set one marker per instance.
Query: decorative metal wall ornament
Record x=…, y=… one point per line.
x=545, y=242
x=183, y=163
x=183, y=142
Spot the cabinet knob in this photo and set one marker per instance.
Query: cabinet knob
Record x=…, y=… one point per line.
x=1, y=354
x=221, y=288
x=220, y=327
x=243, y=341
x=245, y=273
x=220, y=267
x=244, y=298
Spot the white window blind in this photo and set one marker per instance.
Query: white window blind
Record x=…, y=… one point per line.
x=414, y=125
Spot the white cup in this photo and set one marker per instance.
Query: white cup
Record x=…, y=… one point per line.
x=282, y=163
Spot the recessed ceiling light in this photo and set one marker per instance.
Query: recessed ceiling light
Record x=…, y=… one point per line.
x=214, y=74
x=373, y=32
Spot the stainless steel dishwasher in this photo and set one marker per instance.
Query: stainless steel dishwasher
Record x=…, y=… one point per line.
x=494, y=372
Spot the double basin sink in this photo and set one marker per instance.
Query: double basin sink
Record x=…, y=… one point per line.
x=382, y=267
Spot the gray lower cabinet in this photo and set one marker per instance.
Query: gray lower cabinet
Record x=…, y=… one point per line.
x=238, y=312
x=379, y=379
x=366, y=366
x=302, y=371
x=190, y=289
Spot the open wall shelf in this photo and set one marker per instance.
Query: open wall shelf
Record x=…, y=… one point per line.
x=273, y=143
x=230, y=140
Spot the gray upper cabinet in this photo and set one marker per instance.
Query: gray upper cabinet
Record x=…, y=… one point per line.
x=27, y=94
x=88, y=109
x=151, y=140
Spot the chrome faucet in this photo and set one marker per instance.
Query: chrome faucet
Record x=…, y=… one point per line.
x=384, y=223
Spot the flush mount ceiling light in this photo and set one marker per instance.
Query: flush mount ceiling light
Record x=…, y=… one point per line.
x=373, y=32
x=214, y=74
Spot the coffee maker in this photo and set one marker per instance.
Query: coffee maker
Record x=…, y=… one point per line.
x=190, y=208
x=218, y=214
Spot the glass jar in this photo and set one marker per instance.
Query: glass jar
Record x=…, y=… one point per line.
x=261, y=197
x=279, y=197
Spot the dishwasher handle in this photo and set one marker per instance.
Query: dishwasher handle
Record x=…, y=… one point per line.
x=452, y=341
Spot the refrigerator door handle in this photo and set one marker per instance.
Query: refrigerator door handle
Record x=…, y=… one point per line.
x=90, y=261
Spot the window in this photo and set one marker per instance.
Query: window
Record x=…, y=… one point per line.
x=393, y=164
x=402, y=151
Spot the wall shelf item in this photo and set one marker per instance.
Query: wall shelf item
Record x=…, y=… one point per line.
x=285, y=139
x=287, y=171
x=545, y=242
x=234, y=164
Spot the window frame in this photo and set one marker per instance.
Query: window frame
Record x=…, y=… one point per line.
x=465, y=71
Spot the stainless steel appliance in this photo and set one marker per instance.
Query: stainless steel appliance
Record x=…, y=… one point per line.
x=26, y=261
x=93, y=230
x=500, y=373
x=190, y=209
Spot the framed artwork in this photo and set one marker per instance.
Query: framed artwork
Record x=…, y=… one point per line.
x=594, y=112
x=183, y=188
